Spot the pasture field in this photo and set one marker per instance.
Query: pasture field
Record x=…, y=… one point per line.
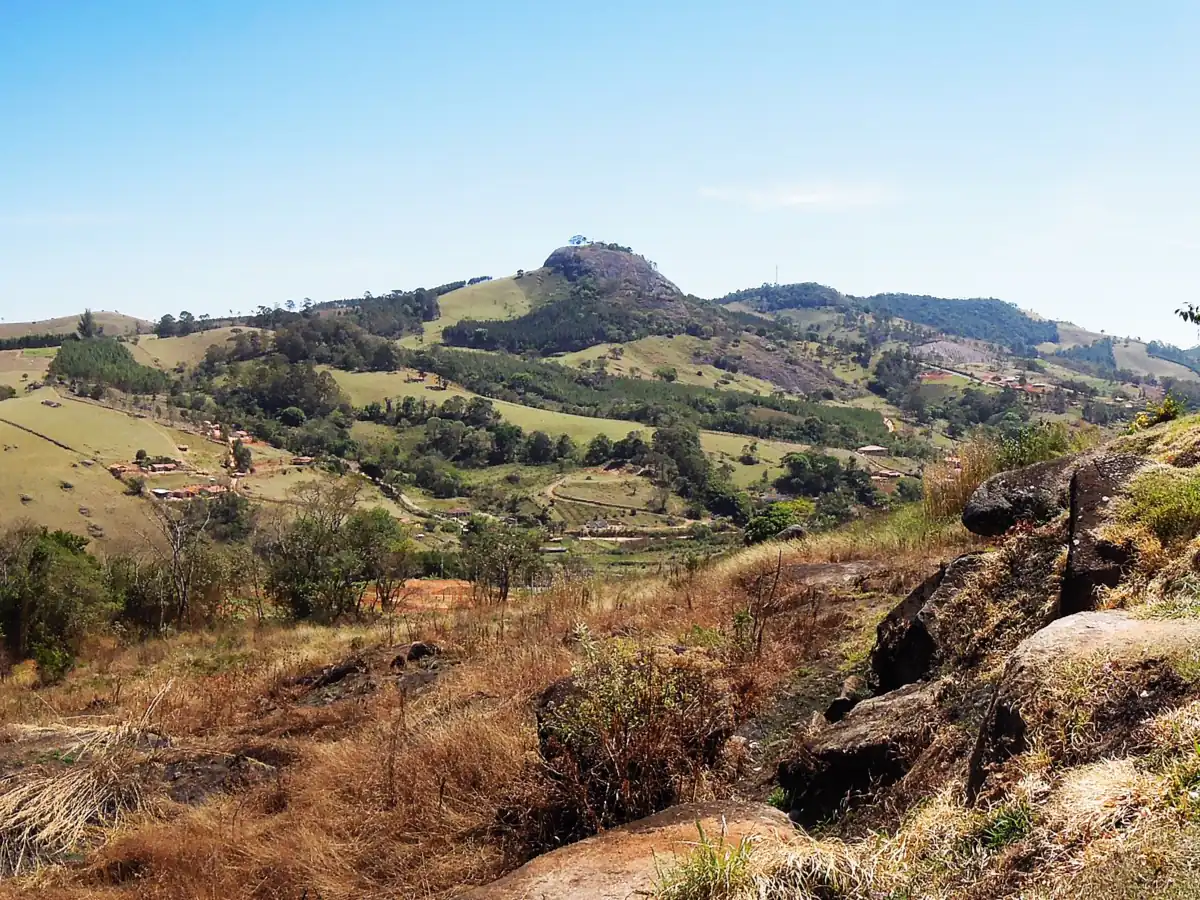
x=365, y=387
x=19, y=367
x=64, y=493
x=614, y=489
x=1134, y=356
x=500, y=298
x=639, y=359
x=106, y=435
x=167, y=353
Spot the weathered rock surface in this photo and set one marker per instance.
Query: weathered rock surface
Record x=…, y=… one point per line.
x=875, y=745
x=1093, y=563
x=791, y=533
x=1084, y=684
x=907, y=643
x=1034, y=494
x=622, y=862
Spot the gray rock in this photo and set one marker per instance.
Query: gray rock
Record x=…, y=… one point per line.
x=874, y=746
x=1127, y=671
x=908, y=641
x=1093, y=563
x=1034, y=494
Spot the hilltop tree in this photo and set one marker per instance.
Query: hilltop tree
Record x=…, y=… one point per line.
x=87, y=327
x=166, y=326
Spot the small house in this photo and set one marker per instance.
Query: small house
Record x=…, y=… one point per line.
x=873, y=450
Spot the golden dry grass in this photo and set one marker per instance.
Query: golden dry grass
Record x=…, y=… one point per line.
x=385, y=795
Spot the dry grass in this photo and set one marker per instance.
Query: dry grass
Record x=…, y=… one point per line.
x=382, y=795
x=948, y=487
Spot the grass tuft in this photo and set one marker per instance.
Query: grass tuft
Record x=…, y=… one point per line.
x=714, y=870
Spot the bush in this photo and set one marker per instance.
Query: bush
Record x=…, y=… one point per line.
x=777, y=517
x=633, y=733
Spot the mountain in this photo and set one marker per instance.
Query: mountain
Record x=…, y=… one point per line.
x=612, y=295
x=988, y=319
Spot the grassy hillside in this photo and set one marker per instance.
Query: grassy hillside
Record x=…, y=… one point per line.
x=1131, y=355
x=112, y=322
x=95, y=432
x=64, y=493
x=498, y=299
x=365, y=387
x=640, y=359
x=167, y=353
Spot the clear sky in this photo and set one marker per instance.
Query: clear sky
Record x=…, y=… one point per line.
x=219, y=154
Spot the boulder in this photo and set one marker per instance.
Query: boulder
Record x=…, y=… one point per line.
x=1081, y=687
x=874, y=746
x=624, y=862
x=1093, y=563
x=907, y=645
x=791, y=533
x=1034, y=494
x=854, y=690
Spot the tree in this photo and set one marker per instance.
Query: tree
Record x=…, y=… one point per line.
x=243, y=459
x=666, y=373
x=312, y=567
x=182, y=527
x=386, y=554
x=187, y=323
x=87, y=327
x=500, y=557
x=166, y=326
x=52, y=593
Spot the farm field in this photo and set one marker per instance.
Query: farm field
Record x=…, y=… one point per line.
x=614, y=489
x=106, y=435
x=66, y=494
x=167, y=353
x=29, y=363
x=639, y=359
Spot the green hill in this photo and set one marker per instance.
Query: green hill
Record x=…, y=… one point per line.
x=982, y=319
x=612, y=296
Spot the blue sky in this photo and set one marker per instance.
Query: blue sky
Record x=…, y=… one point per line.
x=218, y=155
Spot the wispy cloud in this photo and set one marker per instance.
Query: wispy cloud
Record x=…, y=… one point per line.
x=793, y=196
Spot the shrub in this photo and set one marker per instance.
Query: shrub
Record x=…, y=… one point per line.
x=777, y=517
x=633, y=733
x=1034, y=444
x=1168, y=410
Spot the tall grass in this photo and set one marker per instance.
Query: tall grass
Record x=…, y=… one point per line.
x=948, y=486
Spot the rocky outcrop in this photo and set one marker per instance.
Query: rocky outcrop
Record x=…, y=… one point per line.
x=616, y=271
x=907, y=642
x=624, y=862
x=1082, y=685
x=1034, y=494
x=1093, y=563
x=874, y=746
